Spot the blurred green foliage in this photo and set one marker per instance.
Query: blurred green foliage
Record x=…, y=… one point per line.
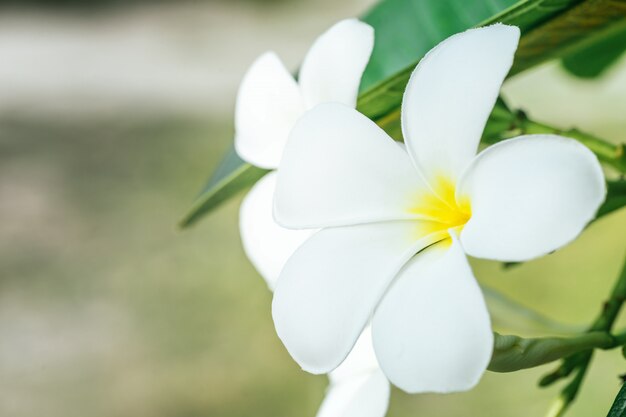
x=594, y=60
x=101, y=4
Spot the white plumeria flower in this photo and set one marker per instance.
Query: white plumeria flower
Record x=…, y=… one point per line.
x=268, y=104
x=397, y=221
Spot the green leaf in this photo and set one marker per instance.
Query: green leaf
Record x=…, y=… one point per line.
x=595, y=59
x=230, y=177
x=550, y=29
x=615, y=197
x=407, y=29
x=586, y=23
x=618, y=409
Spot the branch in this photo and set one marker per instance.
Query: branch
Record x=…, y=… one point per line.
x=512, y=353
x=505, y=123
x=580, y=361
x=610, y=154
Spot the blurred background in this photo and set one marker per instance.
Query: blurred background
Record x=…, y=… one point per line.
x=112, y=116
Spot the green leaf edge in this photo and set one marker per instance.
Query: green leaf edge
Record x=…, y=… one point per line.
x=226, y=187
x=618, y=409
x=594, y=60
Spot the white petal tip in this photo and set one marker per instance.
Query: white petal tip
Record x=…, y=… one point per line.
x=503, y=30
x=458, y=80
x=353, y=24
x=332, y=69
x=268, y=103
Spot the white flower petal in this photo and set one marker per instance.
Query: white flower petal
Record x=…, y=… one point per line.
x=450, y=96
x=332, y=69
x=267, y=245
x=365, y=395
x=340, y=168
x=358, y=388
x=529, y=196
x=268, y=104
x=329, y=287
x=432, y=331
x=362, y=359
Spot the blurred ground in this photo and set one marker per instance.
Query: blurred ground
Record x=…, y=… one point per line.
x=109, y=124
x=171, y=57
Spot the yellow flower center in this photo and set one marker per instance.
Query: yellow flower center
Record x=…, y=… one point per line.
x=441, y=208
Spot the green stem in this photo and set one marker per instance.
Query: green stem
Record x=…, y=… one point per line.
x=569, y=393
x=512, y=353
x=610, y=154
x=505, y=123
x=579, y=362
x=613, y=305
